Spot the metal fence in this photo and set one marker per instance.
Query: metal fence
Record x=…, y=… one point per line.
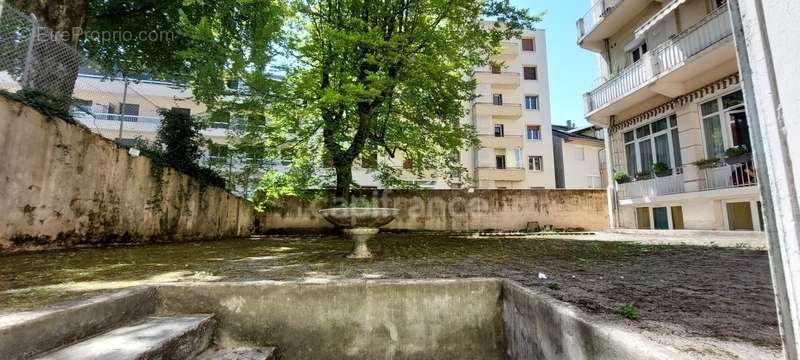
x=32, y=57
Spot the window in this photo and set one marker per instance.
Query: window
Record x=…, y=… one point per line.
x=495, y=68
x=530, y=73
x=719, y=135
x=656, y=142
x=220, y=120
x=497, y=99
x=217, y=154
x=532, y=102
x=130, y=110
x=535, y=163
x=579, y=154
x=534, y=132
x=499, y=130
x=407, y=164
x=528, y=44
x=639, y=51
x=500, y=161
x=232, y=84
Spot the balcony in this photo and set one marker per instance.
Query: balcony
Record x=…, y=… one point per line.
x=510, y=111
x=509, y=49
x=663, y=70
x=507, y=174
x=727, y=176
x=500, y=142
x=503, y=79
x=722, y=176
x=650, y=188
x=604, y=19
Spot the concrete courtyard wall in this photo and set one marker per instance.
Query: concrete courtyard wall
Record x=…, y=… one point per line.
x=459, y=210
x=62, y=186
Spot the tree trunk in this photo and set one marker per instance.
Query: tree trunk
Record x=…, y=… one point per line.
x=344, y=177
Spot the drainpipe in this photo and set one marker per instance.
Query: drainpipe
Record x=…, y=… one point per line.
x=475, y=154
x=772, y=153
x=613, y=203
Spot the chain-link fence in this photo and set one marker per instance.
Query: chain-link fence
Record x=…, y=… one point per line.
x=34, y=58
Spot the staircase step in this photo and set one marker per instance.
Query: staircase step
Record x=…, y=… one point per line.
x=155, y=337
x=242, y=353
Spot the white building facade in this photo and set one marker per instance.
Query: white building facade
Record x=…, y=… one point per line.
x=678, y=151
x=511, y=116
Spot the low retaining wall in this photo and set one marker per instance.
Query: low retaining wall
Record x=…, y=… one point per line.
x=460, y=210
x=63, y=186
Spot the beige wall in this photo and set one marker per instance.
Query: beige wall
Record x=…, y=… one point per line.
x=460, y=210
x=64, y=186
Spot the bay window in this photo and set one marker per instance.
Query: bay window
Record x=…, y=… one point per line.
x=724, y=124
x=656, y=142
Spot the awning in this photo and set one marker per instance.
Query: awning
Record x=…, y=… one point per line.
x=658, y=17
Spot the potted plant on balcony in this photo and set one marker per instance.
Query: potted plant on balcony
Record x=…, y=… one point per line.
x=644, y=175
x=621, y=177
x=706, y=163
x=660, y=169
x=737, y=155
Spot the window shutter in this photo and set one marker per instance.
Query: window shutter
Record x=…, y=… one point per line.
x=528, y=45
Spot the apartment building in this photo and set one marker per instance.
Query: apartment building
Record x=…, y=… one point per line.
x=124, y=110
x=577, y=156
x=511, y=116
x=670, y=98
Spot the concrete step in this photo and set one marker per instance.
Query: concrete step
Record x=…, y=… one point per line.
x=243, y=353
x=155, y=337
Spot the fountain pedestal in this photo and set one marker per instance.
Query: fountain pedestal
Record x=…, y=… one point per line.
x=360, y=225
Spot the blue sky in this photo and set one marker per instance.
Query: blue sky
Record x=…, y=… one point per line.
x=572, y=69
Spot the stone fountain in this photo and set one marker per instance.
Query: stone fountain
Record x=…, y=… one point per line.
x=360, y=225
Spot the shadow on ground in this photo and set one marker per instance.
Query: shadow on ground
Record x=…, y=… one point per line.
x=723, y=293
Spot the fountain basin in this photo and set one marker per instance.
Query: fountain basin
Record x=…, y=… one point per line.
x=360, y=225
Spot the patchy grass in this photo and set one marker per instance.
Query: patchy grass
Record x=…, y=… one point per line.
x=700, y=289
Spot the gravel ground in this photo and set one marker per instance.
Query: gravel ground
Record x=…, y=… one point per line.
x=724, y=294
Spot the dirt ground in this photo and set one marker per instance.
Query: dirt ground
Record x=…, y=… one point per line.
x=721, y=293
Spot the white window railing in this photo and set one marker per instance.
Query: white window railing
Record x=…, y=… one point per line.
x=666, y=57
x=730, y=176
x=596, y=14
x=656, y=186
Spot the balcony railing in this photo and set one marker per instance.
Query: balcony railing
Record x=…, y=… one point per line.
x=666, y=57
x=727, y=176
x=596, y=14
x=501, y=174
x=656, y=186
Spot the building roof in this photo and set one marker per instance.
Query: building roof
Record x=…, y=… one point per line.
x=574, y=134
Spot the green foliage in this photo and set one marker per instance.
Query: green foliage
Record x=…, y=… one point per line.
x=621, y=177
x=659, y=168
x=706, y=163
x=553, y=286
x=644, y=175
x=49, y=106
x=275, y=185
x=386, y=77
x=179, y=145
x=630, y=311
x=735, y=151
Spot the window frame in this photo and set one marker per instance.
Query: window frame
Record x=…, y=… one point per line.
x=535, y=101
x=538, y=132
x=532, y=42
x=502, y=132
x=651, y=137
x=535, y=72
x=724, y=121
x=497, y=99
x=532, y=163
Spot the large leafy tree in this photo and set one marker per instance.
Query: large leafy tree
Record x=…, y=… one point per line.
x=387, y=76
